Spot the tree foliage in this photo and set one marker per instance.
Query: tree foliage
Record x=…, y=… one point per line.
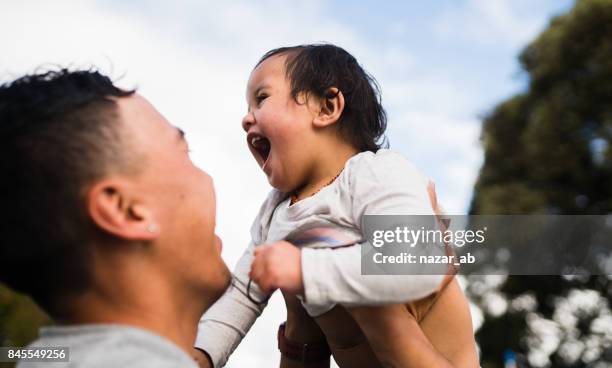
x=547, y=151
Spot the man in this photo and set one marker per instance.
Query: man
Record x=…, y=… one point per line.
x=107, y=224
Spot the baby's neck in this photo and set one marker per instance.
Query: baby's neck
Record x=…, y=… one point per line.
x=327, y=168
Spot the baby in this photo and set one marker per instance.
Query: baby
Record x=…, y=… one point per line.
x=315, y=126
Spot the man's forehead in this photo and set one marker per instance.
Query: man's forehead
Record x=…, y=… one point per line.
x=135, y=109
x=133, y=104
x=141, y=118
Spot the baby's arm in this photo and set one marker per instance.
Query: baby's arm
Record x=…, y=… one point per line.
x=325, y=276
x=226, y=323
x=334, y=276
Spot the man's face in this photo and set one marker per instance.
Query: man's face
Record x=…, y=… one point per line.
x=180, y=196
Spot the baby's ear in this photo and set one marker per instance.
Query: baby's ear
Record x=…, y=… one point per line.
x=330, y=109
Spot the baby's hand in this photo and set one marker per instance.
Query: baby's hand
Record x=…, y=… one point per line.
x=278, y=266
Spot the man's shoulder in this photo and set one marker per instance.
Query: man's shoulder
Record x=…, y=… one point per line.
x=111, y=346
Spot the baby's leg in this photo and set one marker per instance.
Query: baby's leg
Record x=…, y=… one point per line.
x=348, y=345
x=302, y=329
x=347, y=342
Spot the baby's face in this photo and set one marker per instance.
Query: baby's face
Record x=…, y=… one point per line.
x=280, y=133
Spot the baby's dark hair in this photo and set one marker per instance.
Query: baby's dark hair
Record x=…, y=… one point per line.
x=314, y=69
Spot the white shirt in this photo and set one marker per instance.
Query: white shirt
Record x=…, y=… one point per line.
x=105, y=345
x=382, y=183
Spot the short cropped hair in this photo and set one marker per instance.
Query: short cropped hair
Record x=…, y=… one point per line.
x=59, y=131
x=314, y=69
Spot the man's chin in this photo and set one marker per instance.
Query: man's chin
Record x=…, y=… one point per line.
x=227, y=280
x=215, y=286
x=228, y=274
x=224, y=282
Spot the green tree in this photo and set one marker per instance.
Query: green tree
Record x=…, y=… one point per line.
x=20, y=319
x=547, y=151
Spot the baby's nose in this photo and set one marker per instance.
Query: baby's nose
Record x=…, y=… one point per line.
x=247, y=121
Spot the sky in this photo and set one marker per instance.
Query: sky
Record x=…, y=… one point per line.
x=441, y=66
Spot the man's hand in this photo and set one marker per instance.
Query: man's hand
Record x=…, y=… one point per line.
x=201, y=358
x=278, y=266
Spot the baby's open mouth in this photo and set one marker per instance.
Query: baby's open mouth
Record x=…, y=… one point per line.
x=259, y=145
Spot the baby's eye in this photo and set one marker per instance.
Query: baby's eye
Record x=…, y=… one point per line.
x=259, y=98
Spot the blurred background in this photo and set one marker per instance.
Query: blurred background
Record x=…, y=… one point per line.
x=505, y=104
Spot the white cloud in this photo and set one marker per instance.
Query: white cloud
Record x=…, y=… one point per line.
x=444, y=147
x=490, y=22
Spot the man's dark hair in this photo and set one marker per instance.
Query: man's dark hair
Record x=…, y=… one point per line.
x=59, y=132
x=314, y=69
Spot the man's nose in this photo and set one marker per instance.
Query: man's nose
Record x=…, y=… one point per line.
x=247, y=121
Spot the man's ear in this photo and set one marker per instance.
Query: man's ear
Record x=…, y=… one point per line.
x=113, y=209
x=331, y=108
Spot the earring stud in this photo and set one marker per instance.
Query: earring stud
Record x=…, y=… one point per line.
x=151, y=228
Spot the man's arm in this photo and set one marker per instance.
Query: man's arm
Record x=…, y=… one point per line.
x=226, y=323
x=400, y=341
x=396, y=338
